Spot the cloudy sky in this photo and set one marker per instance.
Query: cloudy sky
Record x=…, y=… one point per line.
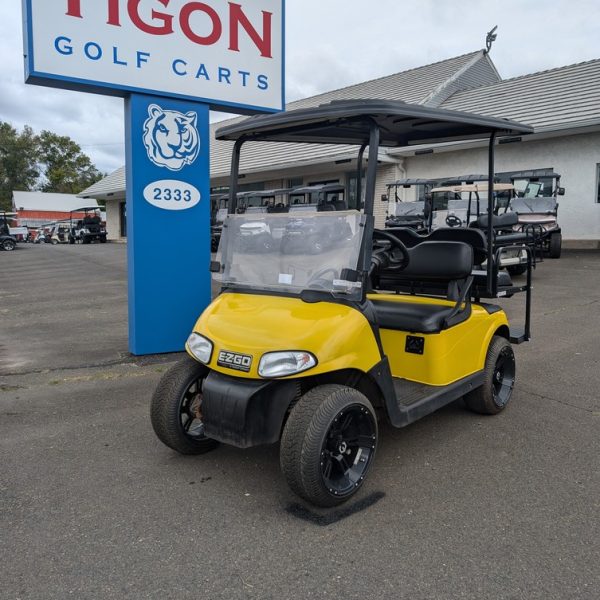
x=330, y=44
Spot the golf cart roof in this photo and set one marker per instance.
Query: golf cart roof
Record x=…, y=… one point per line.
x=410, y=182
x=475, y=187
x=535, y=174
x=349, y=122
x=325, y=187
x=470, y=178
x=264, y=193
x=85, y=209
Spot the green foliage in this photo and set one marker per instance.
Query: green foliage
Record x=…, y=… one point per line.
x=19, y=167
x=48, y=162
x=67, y=169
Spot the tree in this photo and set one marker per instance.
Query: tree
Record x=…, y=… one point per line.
x=66, y=169
x=19, y=169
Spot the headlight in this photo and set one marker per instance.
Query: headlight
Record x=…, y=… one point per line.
x=200, y=347
x=280, y=364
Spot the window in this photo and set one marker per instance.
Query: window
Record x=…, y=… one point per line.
x=351, y=181
x=598, y=183
x=295, y=182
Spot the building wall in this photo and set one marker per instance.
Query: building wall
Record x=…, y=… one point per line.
x=575, y=157
x=113, y=219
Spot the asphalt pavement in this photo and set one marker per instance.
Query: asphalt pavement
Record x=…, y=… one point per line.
x=457, y=505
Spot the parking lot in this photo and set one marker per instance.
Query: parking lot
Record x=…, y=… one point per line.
x=457, y=506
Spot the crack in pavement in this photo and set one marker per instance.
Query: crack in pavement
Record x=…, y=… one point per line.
x=542, y=397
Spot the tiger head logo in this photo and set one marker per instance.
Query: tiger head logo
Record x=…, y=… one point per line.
x=171, y=138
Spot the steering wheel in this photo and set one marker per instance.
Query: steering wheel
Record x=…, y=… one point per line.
x=318, y=280
x=380, y=238
x=453, y=221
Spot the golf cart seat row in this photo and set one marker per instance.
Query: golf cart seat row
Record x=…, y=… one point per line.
x=445, y=265
x=411, y=279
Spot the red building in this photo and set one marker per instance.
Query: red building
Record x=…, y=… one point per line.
x=35, y=209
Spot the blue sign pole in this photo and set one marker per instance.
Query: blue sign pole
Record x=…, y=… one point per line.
x=168, y=220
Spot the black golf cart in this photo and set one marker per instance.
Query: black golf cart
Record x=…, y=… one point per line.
x=537, y=207
x=8, y=242
x=313, y=349
x=256, y=234
x=307, y=205
x=218, y=213
x=88, y=229
x=412, y=214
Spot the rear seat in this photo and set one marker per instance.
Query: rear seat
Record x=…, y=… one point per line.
x=408, y=281
x=448, y=265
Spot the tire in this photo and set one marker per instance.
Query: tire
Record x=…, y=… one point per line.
x=167, y=410
x=54, y=242
x=8, y=245
x=555, y=248
x=322, y=469
x=499, y=380
x=517, y=269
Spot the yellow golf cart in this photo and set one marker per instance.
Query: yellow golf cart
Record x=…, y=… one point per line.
x=313, y=346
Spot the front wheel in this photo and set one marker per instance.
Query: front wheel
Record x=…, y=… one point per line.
x=8, y=245
x=499, y=379
x=328, y=444
x=176, y=408
x=555, y=249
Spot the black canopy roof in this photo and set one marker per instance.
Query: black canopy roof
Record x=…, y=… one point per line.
x=349, y=121
x=410, y=182
x=535, y=174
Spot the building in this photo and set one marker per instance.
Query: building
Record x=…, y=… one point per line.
x=38, y=208
x=563, y=106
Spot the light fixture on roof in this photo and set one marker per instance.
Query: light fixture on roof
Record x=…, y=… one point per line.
x=490, y=39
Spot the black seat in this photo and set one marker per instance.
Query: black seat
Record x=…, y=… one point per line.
x=415, y=318
x=475, y=238
x=444, y=266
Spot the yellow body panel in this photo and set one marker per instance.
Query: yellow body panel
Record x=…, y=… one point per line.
x=339, y=336
x=449, y=355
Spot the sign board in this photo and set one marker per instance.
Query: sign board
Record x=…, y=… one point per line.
x=229, y=55
x=171, y=60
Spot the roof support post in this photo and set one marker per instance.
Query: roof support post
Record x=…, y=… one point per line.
x=491, y=279
x=372, y=169
x=235, y=171
x=367, y=243
x=359, y=169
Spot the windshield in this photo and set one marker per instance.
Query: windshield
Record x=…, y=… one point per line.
x=292, y=252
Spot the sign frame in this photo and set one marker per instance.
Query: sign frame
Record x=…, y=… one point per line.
x=123, y=91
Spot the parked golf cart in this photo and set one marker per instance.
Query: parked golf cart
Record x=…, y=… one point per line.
x=306, y=228
x=60, y=232
x=8, y=242
x=402, y=213
x=462, y=206
x=88, y=229
x=218, y=213
x=314, y=349
x=256, y=234
x=537, y=208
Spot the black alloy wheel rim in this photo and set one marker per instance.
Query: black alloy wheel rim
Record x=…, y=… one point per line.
x=348, y=449
x=503, y=379
x=190, y=416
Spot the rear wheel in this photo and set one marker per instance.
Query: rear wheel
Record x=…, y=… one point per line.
x=176, y=405
x=555, y=249
x=328, y=444
x=499, y=379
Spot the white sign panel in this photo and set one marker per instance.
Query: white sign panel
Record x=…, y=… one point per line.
x=227, y=54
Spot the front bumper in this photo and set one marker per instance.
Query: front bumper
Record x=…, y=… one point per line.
x=245, y=412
